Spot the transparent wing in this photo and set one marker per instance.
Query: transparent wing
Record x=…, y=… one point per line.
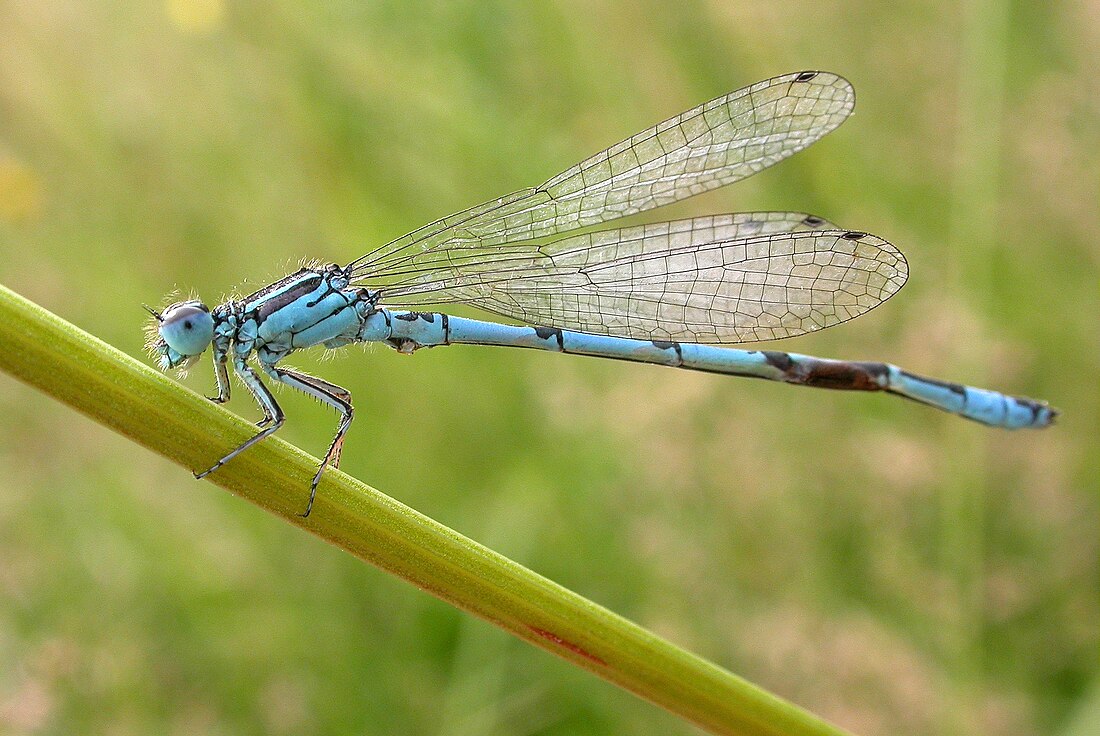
x=722, y=279
x=717, y=143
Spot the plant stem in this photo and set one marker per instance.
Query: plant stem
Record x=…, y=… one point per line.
x=165, y=417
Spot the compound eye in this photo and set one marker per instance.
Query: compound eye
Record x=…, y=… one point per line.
x=187, y=327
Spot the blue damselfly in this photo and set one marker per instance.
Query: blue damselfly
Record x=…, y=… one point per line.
x=664, y=293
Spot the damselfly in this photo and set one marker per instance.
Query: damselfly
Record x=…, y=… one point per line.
x=663, y=293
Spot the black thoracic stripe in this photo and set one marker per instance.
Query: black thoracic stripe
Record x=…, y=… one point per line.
x=289, y=296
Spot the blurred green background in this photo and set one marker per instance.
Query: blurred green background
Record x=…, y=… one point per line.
x=891, y=568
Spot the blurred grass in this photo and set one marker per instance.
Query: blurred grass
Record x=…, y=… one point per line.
x=208, y=146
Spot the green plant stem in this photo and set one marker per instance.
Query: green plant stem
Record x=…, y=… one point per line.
x=972, y=237
x=158, y=413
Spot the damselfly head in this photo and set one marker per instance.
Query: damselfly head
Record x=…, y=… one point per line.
x=180, y=334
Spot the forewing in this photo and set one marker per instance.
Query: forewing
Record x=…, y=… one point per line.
x=714, y=144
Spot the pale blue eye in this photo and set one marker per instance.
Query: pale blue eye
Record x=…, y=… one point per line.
x=187, y=327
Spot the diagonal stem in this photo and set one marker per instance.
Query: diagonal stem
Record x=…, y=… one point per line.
x=163, y=416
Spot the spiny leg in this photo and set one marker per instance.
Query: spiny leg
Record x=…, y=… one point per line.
x=328, y=393
x=266, y=401
x=221, y=359
x=222, y=375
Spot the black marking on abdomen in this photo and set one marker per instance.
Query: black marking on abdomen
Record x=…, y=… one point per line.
x=1036, y=408
x=428, y=317
x=835, y=374
x=846, y=376
x=955, y=388
x=670, y=345
x=778, y=359
x=545, y=333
